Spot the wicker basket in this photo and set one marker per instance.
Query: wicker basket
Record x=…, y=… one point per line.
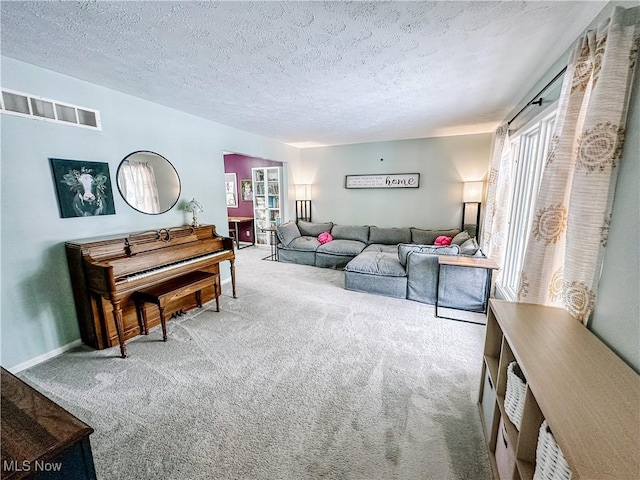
x=515, y=394
x=550, y=463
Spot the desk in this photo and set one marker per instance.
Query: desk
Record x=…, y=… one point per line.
x=470, y=262
x=40, y=439
x=236, y=221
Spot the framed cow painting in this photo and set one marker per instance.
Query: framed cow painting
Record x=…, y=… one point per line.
x=83, y=188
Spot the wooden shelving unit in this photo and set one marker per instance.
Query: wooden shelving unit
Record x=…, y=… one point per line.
x=589, y=397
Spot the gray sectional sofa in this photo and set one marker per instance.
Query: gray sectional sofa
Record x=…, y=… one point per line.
x=396, y=262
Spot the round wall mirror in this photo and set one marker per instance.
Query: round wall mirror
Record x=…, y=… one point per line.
x=148, y=182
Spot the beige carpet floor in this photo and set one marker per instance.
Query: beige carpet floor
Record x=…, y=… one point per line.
x=297, y=378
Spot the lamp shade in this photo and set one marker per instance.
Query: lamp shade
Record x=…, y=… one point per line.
x=472, y=192
x=193, y=206
x=303, y=192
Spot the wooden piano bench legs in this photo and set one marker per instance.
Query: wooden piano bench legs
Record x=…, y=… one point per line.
x=163, y=293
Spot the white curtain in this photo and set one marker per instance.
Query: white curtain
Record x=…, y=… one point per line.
x=137, y=181
x=566, y=245
x=496, y=217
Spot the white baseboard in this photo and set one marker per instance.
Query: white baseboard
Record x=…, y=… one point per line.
x=59, y=351
x=45, y=356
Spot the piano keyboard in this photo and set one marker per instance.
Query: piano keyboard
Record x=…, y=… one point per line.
x=165, y=268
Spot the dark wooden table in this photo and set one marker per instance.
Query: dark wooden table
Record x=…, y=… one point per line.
x=40, y=439
x=236, y=221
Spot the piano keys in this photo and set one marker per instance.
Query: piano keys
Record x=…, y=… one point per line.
x=106, y=271
x=132, y=277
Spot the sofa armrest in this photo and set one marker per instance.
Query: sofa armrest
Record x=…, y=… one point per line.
x=463, y=288
x=422, y=271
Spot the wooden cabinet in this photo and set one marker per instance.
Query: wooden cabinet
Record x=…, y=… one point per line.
x=267, y=201
x=589, y=397
x=41, y=440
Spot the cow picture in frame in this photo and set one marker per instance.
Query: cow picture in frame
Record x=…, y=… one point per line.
x=83, y=188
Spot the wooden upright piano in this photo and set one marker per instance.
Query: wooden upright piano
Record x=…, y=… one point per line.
x=106, y=271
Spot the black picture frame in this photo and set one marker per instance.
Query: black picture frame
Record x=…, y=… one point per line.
x=71, y=179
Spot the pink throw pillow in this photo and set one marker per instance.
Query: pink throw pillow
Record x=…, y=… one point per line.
x=324, y=237
x=442, y=240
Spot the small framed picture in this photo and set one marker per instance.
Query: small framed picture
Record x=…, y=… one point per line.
x=247, y=190
x=83, y=188
x=231, y=189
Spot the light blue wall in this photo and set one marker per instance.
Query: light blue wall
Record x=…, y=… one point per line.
x=616, y=319
x=37, y=310
x=443, y=164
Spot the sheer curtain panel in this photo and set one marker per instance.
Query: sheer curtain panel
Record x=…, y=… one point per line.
x=139, y=184
x=496, y=217
x=566, y=245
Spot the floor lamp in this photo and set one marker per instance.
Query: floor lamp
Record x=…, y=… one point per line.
x=471, y=203
x=303, y=202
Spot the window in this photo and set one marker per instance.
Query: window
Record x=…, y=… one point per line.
x=529, y=147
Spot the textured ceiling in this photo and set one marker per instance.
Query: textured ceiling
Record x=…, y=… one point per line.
x=307, y=73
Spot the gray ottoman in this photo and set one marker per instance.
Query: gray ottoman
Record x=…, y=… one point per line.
x=376, y=272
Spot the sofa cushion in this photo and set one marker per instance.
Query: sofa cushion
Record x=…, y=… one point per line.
x=305, y=244
x=389, y=236
x=299, y=257
x=287, y=232
x=377, y=284
x=406, y=249
x=350, y=232
x=428, y=237
x=460, y=238
x=342, y=247
x=470, y=247
x=376, y=263
x=377, y=247
x=313, y=229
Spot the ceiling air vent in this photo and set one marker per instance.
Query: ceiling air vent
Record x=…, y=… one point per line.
x=25, y=105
